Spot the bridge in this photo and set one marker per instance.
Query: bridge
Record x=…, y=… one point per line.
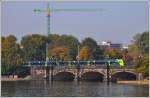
x=98, y=70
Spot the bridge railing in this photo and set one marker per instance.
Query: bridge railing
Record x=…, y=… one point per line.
x=74, y=64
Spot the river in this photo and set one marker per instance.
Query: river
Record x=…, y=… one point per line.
x=72, y=89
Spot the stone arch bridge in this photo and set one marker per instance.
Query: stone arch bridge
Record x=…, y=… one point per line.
x=88, y=72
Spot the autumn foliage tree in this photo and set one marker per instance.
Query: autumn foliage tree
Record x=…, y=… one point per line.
x=112, y=52
x=128, y=60
x=84, y=53
x=59, y=52
x=94, y=52
x=68, y=41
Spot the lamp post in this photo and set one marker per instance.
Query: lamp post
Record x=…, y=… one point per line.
x=78, y=65
x=46, y=62
x=46, y=59
x=52, y=67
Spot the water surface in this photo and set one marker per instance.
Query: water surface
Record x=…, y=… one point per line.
x=64, y=89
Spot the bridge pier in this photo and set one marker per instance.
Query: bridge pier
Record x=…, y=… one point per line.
x=78, y=73
x=32, y=72
x=139, y=76
x=108, y=73
x=47, y=73
x=52, y=76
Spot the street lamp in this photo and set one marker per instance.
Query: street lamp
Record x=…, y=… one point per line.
x=46, y=59
x=78, y=65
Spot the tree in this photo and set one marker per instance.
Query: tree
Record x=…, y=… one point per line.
x=94, y=51
x=143, y=65
x=71, y=43
x=97, y=53
x=90, y=43
x=11, y=53
x=144, y=43
x=53, y=39
x=139, y=52
x=134, y=53
x=34, y=47
x=113, y=53
x=84, y=53
x=67, y=41
x=141, y=41
x=59, y=52
x=126, y=57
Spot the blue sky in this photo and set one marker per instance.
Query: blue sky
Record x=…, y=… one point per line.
x=119, y=23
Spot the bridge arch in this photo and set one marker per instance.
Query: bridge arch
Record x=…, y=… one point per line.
x=64, y=76
x=92, y=76
x=124, y=75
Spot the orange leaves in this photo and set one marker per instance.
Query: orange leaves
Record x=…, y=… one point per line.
x=84, y=53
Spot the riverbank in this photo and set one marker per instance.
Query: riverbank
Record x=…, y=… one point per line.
x=141, y=82
x=15, y=79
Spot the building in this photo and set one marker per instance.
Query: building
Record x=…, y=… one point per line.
x=116, y=46
x=109, y=45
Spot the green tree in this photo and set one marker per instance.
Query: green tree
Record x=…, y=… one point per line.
x=97, y=53
x=141, y=42
x=94, y=51
x=139, y=52
x=71, y=43
x=143, y=65
x=90, y=43
x=144, y=43
x=67, y=41
x=34, y=47
x=53, y=39
x=11, y=53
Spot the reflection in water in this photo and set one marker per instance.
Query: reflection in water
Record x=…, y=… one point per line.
x=60, y=88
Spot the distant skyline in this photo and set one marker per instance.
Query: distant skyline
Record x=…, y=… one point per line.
x=119, y=23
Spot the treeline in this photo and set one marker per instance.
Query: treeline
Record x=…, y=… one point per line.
x=139, y=52
x=33, y=48
x=65, y=47
x=61, y=47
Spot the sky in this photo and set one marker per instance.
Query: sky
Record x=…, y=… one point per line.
x=118, y=23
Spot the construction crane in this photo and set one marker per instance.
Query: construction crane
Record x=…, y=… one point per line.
x=48, y=15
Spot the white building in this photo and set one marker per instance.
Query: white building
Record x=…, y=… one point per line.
x=109, y=44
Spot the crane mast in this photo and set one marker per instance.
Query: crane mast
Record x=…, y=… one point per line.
x=48, y=19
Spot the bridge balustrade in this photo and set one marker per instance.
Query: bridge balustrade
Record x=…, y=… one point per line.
x=74, y=64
